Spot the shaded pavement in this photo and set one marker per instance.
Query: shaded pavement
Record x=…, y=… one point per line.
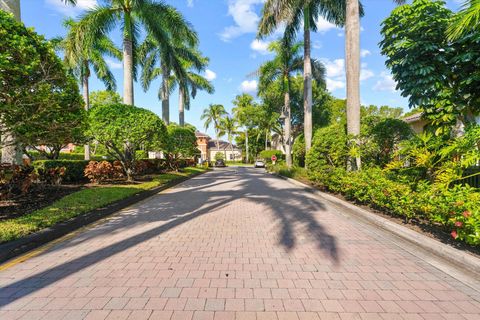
x=231, y=244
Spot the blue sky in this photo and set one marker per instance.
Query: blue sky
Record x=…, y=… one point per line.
x=227, y=36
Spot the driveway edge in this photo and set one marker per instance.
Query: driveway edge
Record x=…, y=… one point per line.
x=15, y=248
x=453, y=256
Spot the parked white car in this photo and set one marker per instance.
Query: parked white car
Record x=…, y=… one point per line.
x=259, y=164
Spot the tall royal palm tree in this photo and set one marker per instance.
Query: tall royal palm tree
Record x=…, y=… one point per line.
x=161, y=21
x=352, y=66
x=191, y=84
x=466, y=20
x=228, y=127
x=296, y=14
x=213, y=115
x=81, y=63
x=11, y=152
x=287, y=61
x=170, y=60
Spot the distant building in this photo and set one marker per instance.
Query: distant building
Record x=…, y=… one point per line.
x=208, y=148
x=416, y=122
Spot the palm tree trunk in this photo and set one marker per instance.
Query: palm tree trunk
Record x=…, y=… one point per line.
x=352, y=47
x=307, y=81
x=181, y=108
x=288, y=130
x=246, y=145
x=165, y=95
x=11, y=152
x=86, y=98
x=128, y=71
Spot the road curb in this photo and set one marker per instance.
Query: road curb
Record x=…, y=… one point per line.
x=453, y=256
x=15, y=248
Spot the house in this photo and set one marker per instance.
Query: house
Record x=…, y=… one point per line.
x=416, y=122
x=208, y=148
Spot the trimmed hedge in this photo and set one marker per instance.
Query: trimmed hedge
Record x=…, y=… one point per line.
x=267, y=155
x=73, y=169
x=456, y=210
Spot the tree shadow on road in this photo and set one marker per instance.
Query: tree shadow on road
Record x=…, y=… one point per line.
x=290, y=205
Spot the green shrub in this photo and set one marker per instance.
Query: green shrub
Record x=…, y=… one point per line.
x=456, y=209
x=329, y=148
x=219, y=156
x=73, y=169
x=267, y=155
x=298, y=151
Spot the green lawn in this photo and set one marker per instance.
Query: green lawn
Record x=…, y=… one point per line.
x=81, y=202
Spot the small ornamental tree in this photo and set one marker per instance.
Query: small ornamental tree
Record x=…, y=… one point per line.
x=180, y=143
x=122, y=129
x=39, y=103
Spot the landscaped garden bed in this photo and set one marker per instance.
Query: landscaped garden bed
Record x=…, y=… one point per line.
x=89, y=198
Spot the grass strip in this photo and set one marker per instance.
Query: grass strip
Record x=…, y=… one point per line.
x=81, y=202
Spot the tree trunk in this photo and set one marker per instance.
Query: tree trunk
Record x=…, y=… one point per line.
x=86, y=98
x=307, y=82
x=288, y=131
x=181, y=108
x=128, y=71
x=11, y=6
x=266, y=140
x=246, y=145
x=165, y=95
x=352, y=53
x=11, y=152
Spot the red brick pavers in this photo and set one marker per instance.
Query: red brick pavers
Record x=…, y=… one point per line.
x=232, y=244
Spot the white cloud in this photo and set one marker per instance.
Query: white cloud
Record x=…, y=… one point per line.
x=335, y=68
x=70, y=10
x=249, y=86
x=260, y=46
x=114, y=64
x=364, y=53
x=244, y=16
x=385, y=83
x=190, y=3
x=323, y=25
x=210, y=75
x=365, y=73
x=333, y=85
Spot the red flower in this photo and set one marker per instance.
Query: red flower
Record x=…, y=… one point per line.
x=454, y=234
x=458, y=224
x=467, y=214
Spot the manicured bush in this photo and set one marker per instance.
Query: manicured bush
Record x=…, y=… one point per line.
x=267, y=155
x=329, y=148
x=102, y=171
x=219, y=156
x=73, y=169
x=298, y=151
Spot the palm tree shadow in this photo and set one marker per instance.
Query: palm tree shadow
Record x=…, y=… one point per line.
x=199, y=200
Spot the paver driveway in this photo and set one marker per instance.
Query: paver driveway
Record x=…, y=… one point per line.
x=232, y=244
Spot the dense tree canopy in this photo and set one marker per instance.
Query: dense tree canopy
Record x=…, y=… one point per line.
x=180, y=143
x=39, y=103
x=438, y=75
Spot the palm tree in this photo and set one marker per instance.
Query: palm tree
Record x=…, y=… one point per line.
x=466, y=20
x=245, y=111
x=295, y=13
x=228, y=127
x=192, y=83
x=352, y=62
x=161, y=21
x=213, y=115
x=80, y=63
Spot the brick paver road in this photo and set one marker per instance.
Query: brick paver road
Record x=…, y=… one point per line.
x=232, y=245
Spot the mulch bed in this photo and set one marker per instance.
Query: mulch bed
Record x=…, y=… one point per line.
x=38, y=197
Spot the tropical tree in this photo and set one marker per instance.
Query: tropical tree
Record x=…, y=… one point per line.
x=295, y=14
x=190, y=85
x=161, y=21
x=352, y=64
x=81, y=63
x=245, y=112
x=466, y=20
x=228, y=127
x=213, y=115
x=287, y=61
x=11, y=151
